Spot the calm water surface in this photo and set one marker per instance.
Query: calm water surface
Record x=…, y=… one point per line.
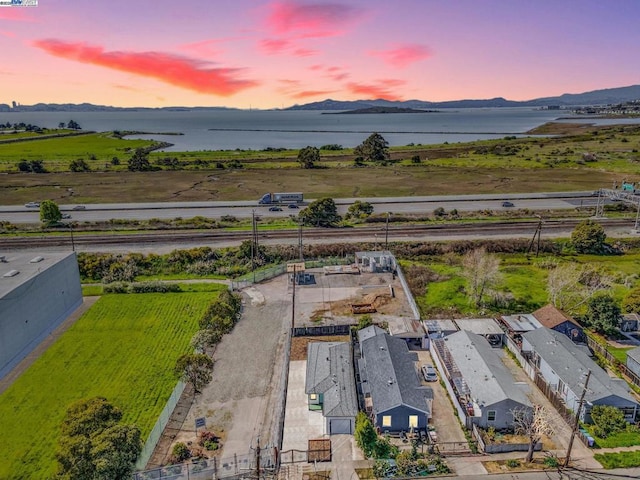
x=257, y=130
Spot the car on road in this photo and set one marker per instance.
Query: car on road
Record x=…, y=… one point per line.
x=79, y=207
x=275, y=209
x=429, y=373
x=507, y=204
x=32, y=204
x=66, y=215
x=293, y=205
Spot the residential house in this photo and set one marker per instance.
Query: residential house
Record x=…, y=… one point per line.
x=330, y=385
x=564, y=366
x=394, y=396
x=487, y=391
x=633, y=360
x=555, y=319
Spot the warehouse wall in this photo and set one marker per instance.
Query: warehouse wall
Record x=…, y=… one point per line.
x=31, y=311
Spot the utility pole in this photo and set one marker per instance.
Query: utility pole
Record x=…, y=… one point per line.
x=293, y=300
x=577, y=421
x=386, y=233
x=73, y=243
x=258, y=459
x=636, y=228
x=300, y=240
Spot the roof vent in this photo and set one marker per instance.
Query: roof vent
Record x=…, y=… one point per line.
x=11, y=273
x=36, y=259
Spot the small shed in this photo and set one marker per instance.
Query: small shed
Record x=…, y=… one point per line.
x=633, y=360
x=630, y=322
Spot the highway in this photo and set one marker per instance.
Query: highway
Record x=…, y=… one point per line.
x=20, y=214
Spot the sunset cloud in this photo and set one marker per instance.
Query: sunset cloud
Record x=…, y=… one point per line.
x=334, y=73
x=313, y=93
x=274, y=46
x=385, y=89
x=403, y=55
x=308, y=20
x=173, y=69
x=15, y=15
x=204, y=48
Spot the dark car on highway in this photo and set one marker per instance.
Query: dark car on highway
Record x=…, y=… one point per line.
x=507, y=204
x=275, y=209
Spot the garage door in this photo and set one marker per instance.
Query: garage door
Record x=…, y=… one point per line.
x=338, y=426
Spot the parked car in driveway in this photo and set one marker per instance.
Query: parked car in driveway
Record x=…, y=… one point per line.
x=429, y=373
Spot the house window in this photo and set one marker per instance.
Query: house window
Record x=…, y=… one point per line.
x=413, y=421
x=313, y=396
x=386, y=420
x=491, y=416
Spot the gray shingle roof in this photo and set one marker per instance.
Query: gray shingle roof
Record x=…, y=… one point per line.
x=330, y=372
x=488, y=379
x=390, y=372
x=571, y=363
x=634, y=353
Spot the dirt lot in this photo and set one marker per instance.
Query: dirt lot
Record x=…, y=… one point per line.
x=247, y=390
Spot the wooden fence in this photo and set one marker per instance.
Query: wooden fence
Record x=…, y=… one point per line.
x=603, y=352
x=566, y=414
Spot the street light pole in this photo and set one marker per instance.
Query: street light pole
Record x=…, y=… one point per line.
x=386, y=233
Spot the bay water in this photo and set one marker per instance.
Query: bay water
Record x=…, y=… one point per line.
x=202, y=130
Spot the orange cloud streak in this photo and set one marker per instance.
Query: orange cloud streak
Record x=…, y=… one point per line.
x=379, y=90
x=403, y=55
x=176, y=70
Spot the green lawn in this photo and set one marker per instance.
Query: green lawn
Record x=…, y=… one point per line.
x=618, y=460
x=124, y=348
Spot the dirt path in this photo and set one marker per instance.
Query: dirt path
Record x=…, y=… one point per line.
x=11, y=377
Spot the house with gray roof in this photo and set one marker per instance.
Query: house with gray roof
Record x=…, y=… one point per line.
x=490, y=392
x=633, y=360
x=330, y=385
x=564, y=366
x=393, y=395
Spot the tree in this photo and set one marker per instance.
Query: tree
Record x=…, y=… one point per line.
x=308, y=157
x=588, y=237
x=139, y=162
x=79, y=165
x=631, y=303
x=73, y=125
x=571, y=285
x=364, y=434
x=93, y=445
x=603, y=314
x=359, y=209
x=374, y=149
x=320, y=213
x=607, y=420
x=533, y=424
x=62, y=125
x=49, y=212
x=194, y=369
x=481, y=270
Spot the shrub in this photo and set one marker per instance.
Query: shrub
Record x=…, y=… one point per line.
x=180, y=452
x=551, y=462
x=513, y=463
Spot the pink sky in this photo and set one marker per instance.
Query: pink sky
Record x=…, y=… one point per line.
x=272, y=54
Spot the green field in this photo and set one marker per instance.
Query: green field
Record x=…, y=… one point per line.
x=509, y=165
x=523, y=281
x=124, y=348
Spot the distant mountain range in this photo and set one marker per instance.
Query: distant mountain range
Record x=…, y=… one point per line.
x=609, y=96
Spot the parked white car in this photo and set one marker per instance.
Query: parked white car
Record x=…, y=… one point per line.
x=430, y=373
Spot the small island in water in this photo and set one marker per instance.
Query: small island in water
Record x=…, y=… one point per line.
x=380, y=110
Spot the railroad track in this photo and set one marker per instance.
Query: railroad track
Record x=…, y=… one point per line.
x=419, y=232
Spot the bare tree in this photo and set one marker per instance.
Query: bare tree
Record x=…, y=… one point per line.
x=571, y=285
x=534, y=424
x=481, y=270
